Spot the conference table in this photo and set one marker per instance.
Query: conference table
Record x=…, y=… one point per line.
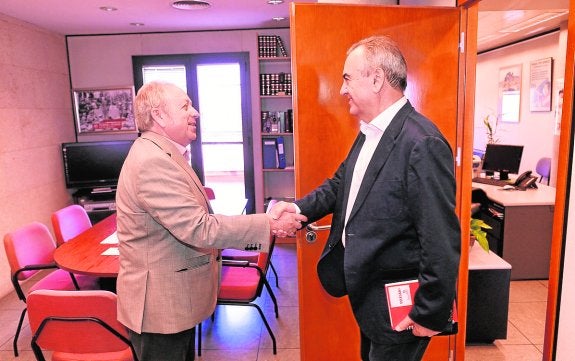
x=94, y=252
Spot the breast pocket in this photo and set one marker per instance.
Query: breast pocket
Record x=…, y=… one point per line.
x=386, y=200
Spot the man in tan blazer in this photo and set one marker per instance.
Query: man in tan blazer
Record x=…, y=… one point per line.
x=169, y=238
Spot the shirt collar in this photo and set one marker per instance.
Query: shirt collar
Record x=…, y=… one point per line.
x=380, y=123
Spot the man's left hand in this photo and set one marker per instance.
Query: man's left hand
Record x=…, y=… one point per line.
x=417, y=330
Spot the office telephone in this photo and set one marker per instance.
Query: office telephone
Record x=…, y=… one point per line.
x=526, y=180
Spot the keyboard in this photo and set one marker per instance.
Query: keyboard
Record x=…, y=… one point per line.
x=491, y=181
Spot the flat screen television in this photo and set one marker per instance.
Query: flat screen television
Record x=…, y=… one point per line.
x=94, y=164
x=502, y=158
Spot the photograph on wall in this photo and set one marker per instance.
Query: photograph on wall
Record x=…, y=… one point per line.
x=510, y=93
x=104, y=110
x=540, y=82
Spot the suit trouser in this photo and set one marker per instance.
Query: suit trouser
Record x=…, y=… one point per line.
x=412, y=351
x=164, y=347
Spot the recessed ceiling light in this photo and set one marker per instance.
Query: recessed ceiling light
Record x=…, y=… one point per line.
x=275, y=2
x=191, y=4
x=137, y=24
x=108, y=8
x=278, y=18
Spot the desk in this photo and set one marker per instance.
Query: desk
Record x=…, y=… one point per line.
x=83, y=253
x=522, y=224
x=488, y=296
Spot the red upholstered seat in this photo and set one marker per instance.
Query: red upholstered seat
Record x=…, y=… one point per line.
x=30, y=249
x=239, y=283
x=77, y=325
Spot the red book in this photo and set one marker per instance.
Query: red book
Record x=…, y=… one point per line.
x=400, y=298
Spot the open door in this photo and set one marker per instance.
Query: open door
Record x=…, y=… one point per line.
x=324, y=131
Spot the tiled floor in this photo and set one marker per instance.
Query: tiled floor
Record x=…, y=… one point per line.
x=238, y=334
x=525, y=330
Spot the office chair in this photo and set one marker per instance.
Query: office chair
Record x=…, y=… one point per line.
x=210, y=193
x=30, y=249
x=242, y=283
x=69, y=222
x=251, y=257
x=77, y=325
x=543, y=168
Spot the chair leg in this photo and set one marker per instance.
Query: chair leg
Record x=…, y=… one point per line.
x=199, y=331
x=18, y=329
x=74, y=281
x=275, y=274
x=273, y=297
x=267, y=326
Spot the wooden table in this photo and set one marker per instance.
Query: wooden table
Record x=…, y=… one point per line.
x=83, y=253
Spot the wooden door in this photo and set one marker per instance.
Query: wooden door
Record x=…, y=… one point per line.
x=324, y=131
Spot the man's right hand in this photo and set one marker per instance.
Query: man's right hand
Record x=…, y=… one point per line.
x=284, y=221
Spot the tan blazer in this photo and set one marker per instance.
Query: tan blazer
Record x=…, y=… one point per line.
x=169, y=259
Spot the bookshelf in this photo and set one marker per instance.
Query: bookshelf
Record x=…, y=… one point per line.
x=276, y=118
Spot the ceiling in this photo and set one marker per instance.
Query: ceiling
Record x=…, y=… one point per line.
x=85, y=16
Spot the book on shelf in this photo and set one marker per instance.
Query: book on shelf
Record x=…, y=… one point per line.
x=400, y=299
x=277, y=121
x=269, y=150
x=271, y=46
x=281, y=153
x=275, y=84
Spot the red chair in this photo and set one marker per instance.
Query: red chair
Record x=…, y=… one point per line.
x=30, y=249
x=79, y=325
x=251, y=257
x=242, y=283
x=69, y=222
x=210, y=193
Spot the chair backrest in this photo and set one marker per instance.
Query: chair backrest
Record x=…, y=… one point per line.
x=69, y=222
x=30, y=244
x=263, y=258
x=210, y=193
x=543, y=168
x=82, y=335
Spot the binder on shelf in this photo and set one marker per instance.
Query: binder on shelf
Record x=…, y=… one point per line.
x=269, y=150
x=281, y=153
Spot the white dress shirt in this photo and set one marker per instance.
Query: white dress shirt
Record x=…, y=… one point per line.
x=373, y=132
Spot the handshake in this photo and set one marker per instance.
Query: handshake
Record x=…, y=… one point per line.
x=284, y=219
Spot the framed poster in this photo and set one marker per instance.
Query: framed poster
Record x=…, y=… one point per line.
x=540, y=82
x=104, y=110
x=510, y=93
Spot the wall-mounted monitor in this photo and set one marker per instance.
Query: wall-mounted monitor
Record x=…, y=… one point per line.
x=94, y=164
x=502, y=158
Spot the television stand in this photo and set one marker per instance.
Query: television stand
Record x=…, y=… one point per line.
x=99, y=190
x=98, y=202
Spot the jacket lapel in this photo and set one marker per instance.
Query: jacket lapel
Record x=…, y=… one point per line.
x=175, y=155
x=380, y=156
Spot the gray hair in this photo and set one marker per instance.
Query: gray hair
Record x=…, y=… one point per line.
x=382, y=52
x=151, y=95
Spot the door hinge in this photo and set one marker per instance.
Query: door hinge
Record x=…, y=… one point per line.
x=462, y=42
x=458, y=157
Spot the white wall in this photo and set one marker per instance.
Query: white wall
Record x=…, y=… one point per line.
x=535, y=130
x=106, y=61
x=35, y=117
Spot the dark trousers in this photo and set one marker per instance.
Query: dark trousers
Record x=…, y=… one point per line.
x=164, y=347
x=412, y=351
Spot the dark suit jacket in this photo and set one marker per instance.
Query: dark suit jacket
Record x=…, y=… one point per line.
x=403, y=226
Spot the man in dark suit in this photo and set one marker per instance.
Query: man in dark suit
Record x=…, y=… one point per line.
x=393, y=205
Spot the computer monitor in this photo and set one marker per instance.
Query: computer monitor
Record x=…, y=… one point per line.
x=502, y=158
x=94, y=164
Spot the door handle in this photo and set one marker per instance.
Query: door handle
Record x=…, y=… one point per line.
x=312, y=228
